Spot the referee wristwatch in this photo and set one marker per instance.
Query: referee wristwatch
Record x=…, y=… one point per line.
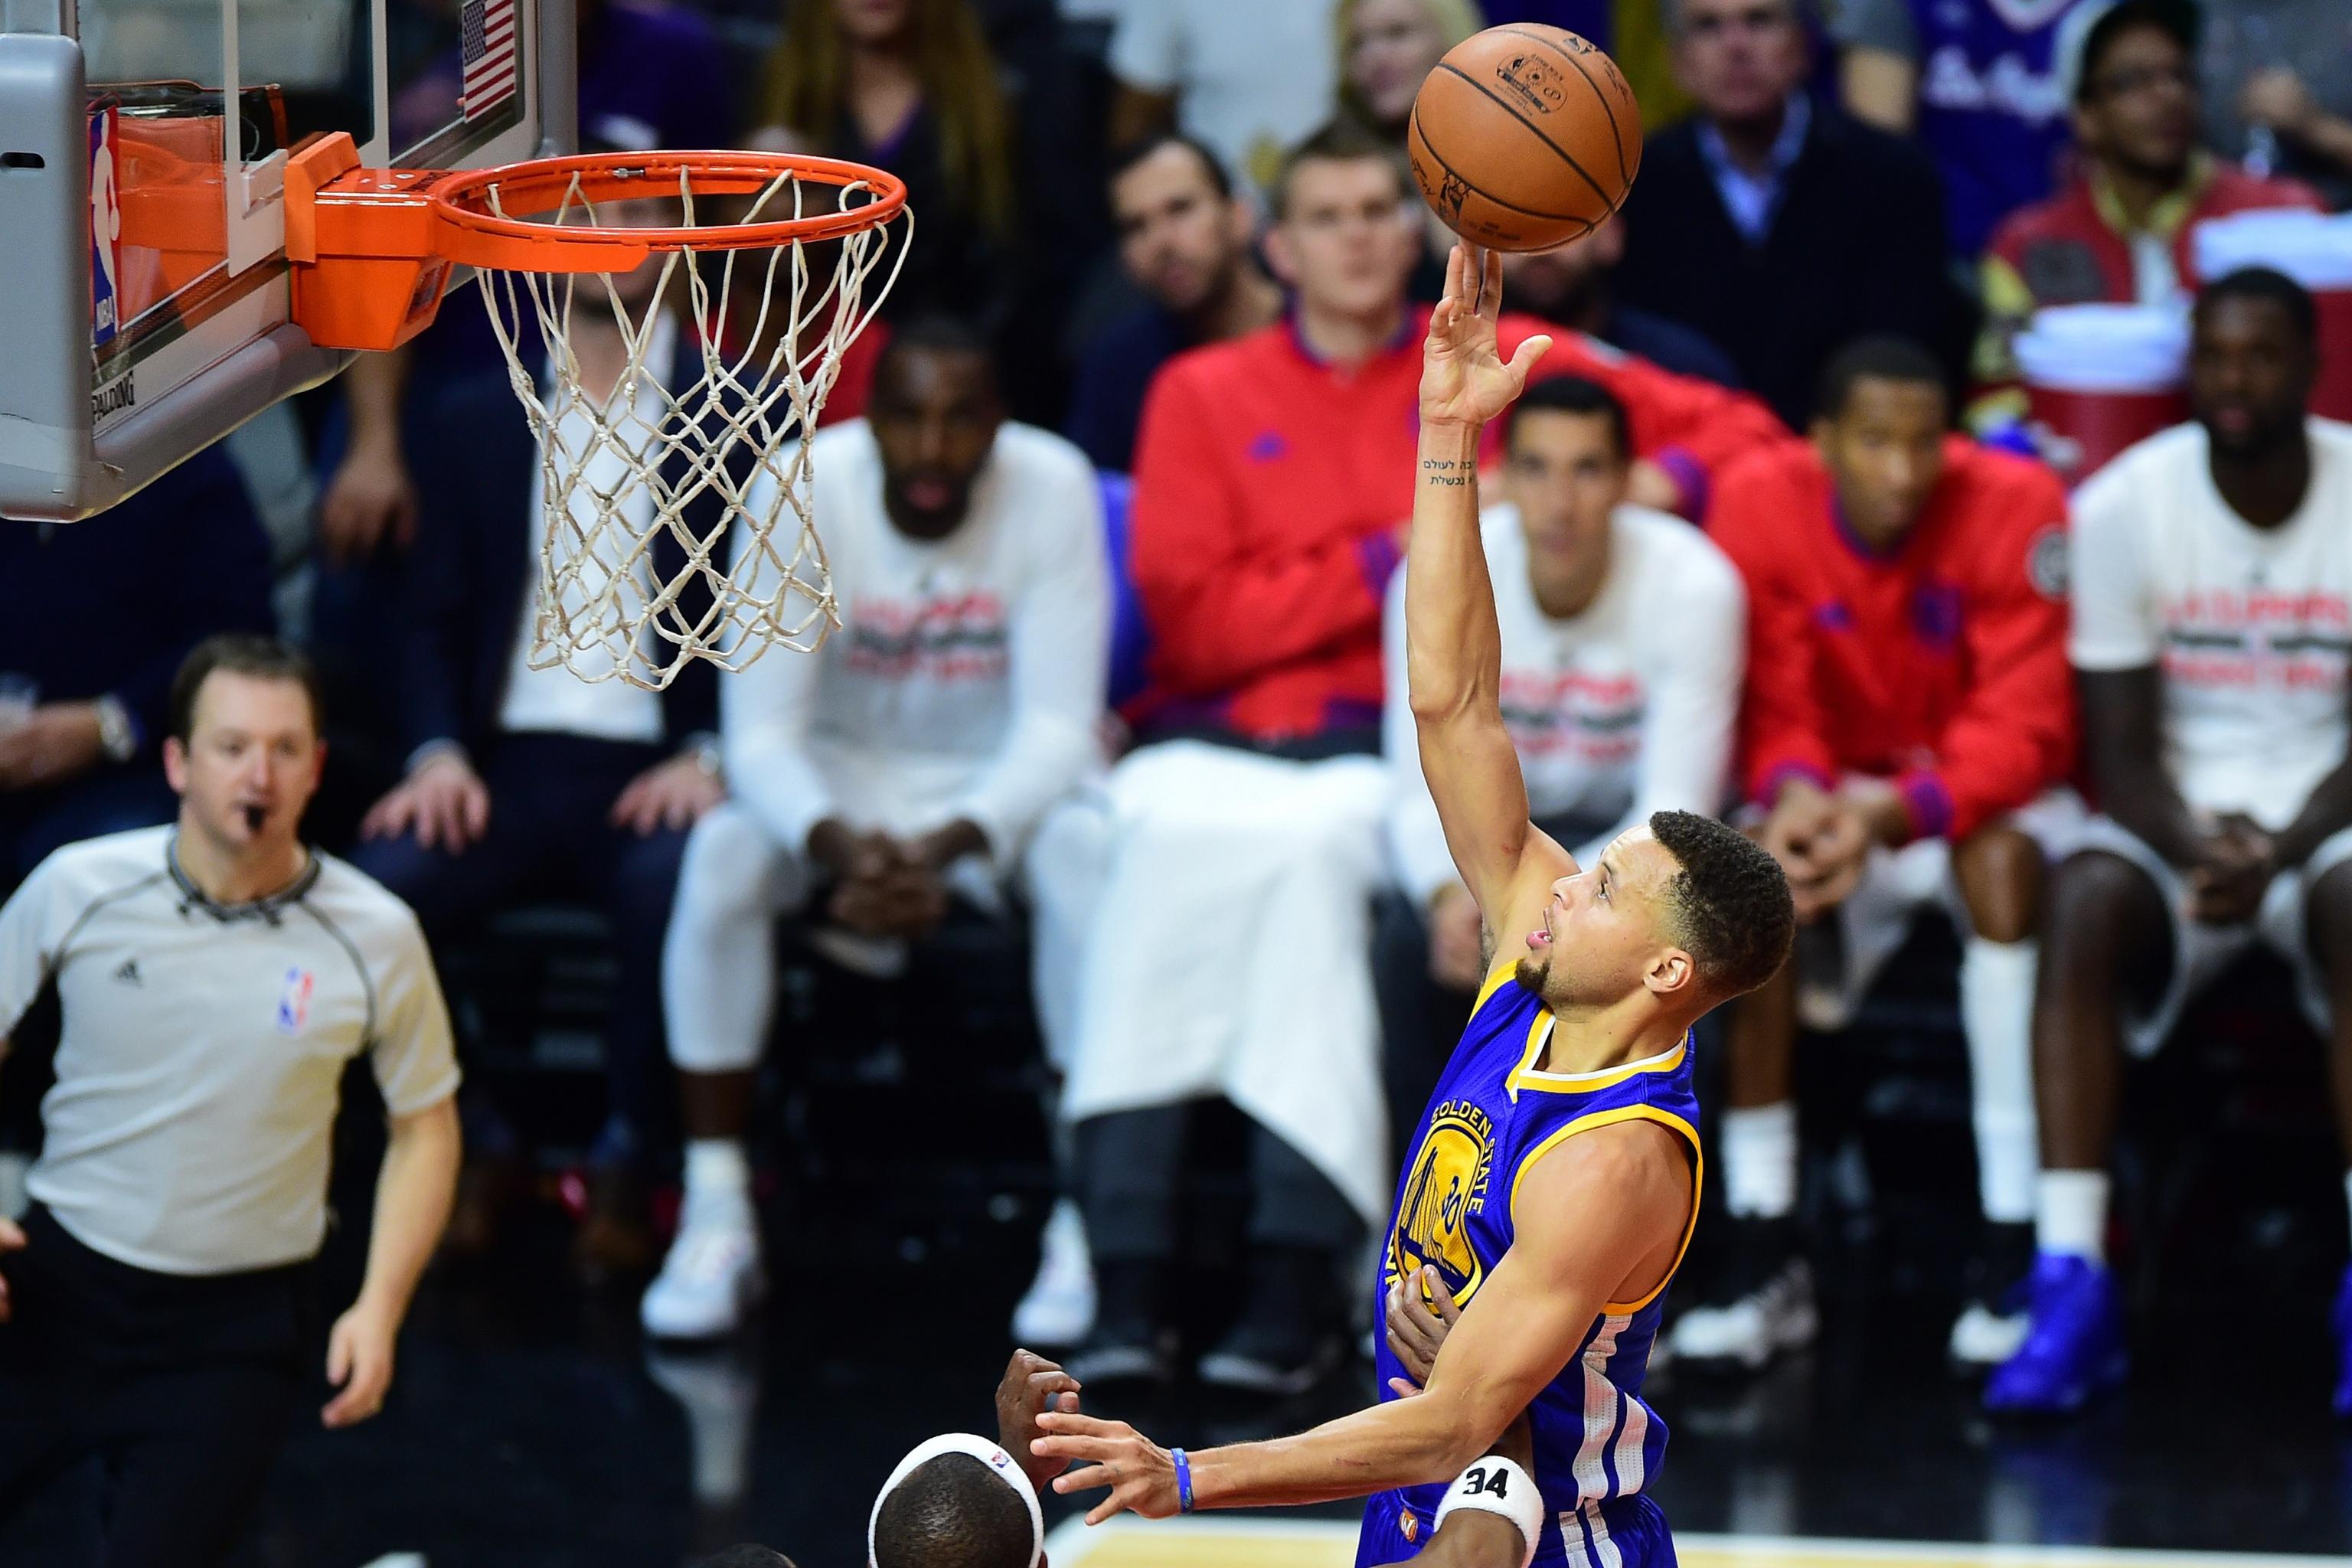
x=117, y=736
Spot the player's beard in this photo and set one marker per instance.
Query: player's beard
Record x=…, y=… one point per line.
x=1536, y=977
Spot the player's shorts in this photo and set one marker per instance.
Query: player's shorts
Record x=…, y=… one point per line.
x=2201, y=950
x=1623, y=1533
x=1838, y=960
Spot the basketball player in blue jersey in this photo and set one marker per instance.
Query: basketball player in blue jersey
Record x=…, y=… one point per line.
x=1553, y=1180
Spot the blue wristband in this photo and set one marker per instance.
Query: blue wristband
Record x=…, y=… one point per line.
x=1184, y=1481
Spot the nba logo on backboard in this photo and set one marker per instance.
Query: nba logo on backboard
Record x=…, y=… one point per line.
x=294, y=1002
x=105, y=230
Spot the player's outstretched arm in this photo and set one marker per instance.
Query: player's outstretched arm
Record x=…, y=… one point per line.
x=1597, y=1216
x=1454, y=645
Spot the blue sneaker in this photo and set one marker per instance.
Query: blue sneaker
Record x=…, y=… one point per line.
x=2075, y=1347
x=2342, y=1320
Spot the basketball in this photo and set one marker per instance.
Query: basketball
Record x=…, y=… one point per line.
x=1524, y=137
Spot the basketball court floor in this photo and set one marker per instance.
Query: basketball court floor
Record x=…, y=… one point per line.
x=533, y=1429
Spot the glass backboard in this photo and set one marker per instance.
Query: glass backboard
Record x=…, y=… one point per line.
x=143, y=153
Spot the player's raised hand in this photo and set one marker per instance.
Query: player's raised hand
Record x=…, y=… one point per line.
x=1140, y=1474
x=1031, y=1386
x=1464, y=378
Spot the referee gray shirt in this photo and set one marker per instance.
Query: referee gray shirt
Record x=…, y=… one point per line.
x=204, y=1047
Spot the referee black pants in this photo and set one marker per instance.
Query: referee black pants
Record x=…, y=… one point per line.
x=140, y=1413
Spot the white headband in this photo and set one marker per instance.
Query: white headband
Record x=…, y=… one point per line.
x=1000, y=1464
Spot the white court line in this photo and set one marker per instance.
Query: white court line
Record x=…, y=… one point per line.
x=1226, y=1541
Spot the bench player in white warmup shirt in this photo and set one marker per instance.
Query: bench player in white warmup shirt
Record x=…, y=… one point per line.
x=1624, y=642
x=2212, y=597
x=911, y=757
x=214, y=977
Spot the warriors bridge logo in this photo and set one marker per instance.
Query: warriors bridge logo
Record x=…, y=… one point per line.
x=1448, y=1184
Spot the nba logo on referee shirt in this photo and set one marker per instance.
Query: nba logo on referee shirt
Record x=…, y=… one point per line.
x=294, y=1002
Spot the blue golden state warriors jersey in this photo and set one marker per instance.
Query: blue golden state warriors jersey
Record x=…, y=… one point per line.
x=1597, y=1445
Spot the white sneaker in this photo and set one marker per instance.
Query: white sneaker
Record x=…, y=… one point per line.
x=1059, y=1309
x=1984, y=1338
x=1777, y=1315
x=707, y=1285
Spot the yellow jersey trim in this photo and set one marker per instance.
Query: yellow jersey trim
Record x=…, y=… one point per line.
x=1525, y=1075
x=1495, y=982
x=1607, y=1118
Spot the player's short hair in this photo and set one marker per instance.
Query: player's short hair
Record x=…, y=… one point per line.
x=1142, y=147
x=239, y=653
x=2267, y=284
x=952, y=1512
x=936, y=333
x=746, y=1556
x=1729, y=902
x=1881, y=357
x=1340, y=142
x=1573, y=394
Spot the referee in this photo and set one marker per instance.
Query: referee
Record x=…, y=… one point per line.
x=214, y=977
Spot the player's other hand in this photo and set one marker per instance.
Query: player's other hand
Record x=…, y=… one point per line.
x=359, y=1363
x=1417, y=1327
x=12, y=1238
x=1463, y=379
x=672, y=795
x=1140, y=1474
x=1456, y=939
x=2233, y=870
x=444, y=805
x=1031, y=1386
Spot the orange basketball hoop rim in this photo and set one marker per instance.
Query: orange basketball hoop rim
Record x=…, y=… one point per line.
x=371, y=250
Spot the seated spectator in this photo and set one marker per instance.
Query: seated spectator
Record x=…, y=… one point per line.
x=1273, y=477
x=1622, y=646
x=1906, y=727
x=1185, y=240
x=2213, y=585
x=1572, y=286
x=1387, y=49
x=1246, y=79
x=902, y=766
x=99, y=615
x=1976, y=81
x=2280, y=117
x=2119, y=231
x=529, y=783
x=1778, y=227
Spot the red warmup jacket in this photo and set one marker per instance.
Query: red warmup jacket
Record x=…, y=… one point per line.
x=1270, y=489
x=1941, y=664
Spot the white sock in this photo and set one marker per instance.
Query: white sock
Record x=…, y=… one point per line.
x=2070, y=1217
x=717, y=1181
x=1759, y=1161
x=1996, y=1016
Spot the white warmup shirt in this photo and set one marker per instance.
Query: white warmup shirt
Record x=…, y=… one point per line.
x=1624, y=710
x=2251, y=627
x=610, y=460
x=1251, y=78
x=204, y=1047
x=967, y=679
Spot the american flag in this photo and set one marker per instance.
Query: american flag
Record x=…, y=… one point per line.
x=489, y=54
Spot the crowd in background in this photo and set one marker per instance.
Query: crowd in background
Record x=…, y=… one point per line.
x=1113, y=492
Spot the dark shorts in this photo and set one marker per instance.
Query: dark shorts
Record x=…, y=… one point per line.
x=1624, y=1532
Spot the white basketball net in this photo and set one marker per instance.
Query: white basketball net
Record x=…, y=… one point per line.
x=717, y=467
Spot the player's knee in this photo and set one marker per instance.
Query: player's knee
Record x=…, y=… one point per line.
x=723, y=874
x=2094, y=897
x=2001, y=871
x=2327, y=920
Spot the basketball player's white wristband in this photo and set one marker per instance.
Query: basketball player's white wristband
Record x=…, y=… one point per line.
x=1496, y=1485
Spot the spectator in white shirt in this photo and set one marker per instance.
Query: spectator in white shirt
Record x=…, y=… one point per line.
x=1249, y=78
x=2212, y=645
x=906, y=762
x=1622, y=652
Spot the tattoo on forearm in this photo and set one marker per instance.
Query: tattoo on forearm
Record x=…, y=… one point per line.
x=1444, y=472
